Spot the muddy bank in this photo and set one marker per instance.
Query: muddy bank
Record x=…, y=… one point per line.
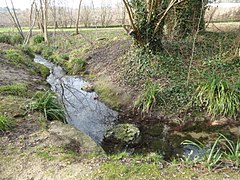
x=35, y=148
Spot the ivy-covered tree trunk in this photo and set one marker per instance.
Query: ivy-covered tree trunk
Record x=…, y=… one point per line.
x=186, y=18
x=147, y=21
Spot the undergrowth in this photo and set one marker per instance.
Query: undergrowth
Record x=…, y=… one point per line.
x=171, y=69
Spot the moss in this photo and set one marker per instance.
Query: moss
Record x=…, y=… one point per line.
x=123, y=134
x=43, y=70
x=111, y=95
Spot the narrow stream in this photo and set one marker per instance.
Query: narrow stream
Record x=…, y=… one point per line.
x=82, y=108
x=94, y=118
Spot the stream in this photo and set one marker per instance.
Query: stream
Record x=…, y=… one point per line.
x=82, y=108
x=94, y=118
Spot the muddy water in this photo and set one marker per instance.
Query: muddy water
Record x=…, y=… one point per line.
x=82, y=109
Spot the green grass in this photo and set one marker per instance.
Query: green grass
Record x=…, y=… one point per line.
x=14, y=89
x=76, y=66
x=26, y=29
x=6, y=123
x=147, y=100
x=48, y=104
x=124, y=166
x=210, y=157
x=10, y=38
x=22, y=57
x=220, y=97
x=232, y=150
x=52, y=153
x=221, y=151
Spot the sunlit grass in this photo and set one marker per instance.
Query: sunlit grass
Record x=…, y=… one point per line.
x=5, y=123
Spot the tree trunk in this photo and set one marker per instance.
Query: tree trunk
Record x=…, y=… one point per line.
x=45, y=21
x=186, y=18
x=78, y=16
x=15, y=19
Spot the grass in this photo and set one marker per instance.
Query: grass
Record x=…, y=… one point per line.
x=210, y=157
x=219, y=97
x=124, y=166
x=221, y=151
x=232, y=150
x=147, y=100
x=6, y=123
x=11, y=38
x=26, y=29
x=76, y=66
x=14, y=89
x=48, y=104
x=52, y=153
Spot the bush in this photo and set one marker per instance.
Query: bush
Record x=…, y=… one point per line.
x=219, y=97
x=5, y=123
x=37, y=39
x=14, y=89
x=48, y=104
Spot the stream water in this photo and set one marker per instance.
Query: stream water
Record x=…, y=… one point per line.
x=82, y=108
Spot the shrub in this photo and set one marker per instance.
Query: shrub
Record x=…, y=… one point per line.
x=148, y=98
x=5, y=123
x=37, y=39
x=219, y=97
x=14, y=89
x=48, y=104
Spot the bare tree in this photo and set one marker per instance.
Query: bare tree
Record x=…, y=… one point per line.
x=31, y=23
x=78, y=16
x=87, y=14
x=15, y=18
x=45, y=20
x=106, y=14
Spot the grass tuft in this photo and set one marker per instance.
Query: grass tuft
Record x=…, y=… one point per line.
x=219, y=97
x=147, y=100
x=48, y=104
x=5, y=123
